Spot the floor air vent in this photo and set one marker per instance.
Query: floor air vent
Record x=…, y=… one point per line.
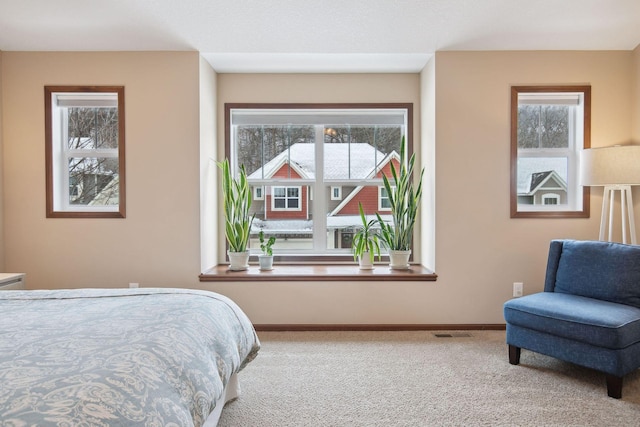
x=454, y=335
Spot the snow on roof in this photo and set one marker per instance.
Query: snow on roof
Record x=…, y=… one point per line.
x=529, y=166
x=341, y=161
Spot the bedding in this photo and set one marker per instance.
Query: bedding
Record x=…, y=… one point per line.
x=126, y=357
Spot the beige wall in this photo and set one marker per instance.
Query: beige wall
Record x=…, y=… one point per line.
x=428, y=138
x=158, y=242
x=635, y=110
x=208, y=168
x=479, y=250
x=2, y=226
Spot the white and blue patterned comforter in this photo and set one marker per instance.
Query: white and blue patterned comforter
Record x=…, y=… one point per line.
x=118, y=357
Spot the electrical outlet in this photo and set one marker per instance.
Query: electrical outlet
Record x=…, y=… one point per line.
x=133, y=285
x=518, y=289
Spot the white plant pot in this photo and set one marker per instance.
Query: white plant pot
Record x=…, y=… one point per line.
x=399, y=260
x=266, y=262
x=364, y=261
x=238, y=261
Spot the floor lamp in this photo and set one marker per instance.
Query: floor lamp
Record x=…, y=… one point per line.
x=616, y=169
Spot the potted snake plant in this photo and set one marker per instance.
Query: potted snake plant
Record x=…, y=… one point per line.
x=366, y=243
x=404, y=199
x=238, y=220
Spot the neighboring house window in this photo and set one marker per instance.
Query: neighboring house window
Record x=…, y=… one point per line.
x=84, y=132
x=384, y=203
x=549, y=127
x=317, y=163
x=285, y=198
x=258, y=193
x=336, y=193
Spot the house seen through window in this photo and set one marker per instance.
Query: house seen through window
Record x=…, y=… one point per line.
x=310, y=166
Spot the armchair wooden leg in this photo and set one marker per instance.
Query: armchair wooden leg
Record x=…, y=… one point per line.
x=614, y=386
x=514, y=354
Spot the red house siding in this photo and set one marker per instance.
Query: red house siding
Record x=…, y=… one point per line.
x=368, y=196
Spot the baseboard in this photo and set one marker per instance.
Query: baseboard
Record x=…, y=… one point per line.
x=383, y=327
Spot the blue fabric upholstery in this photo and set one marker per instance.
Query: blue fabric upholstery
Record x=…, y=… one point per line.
x=614, y=362
x=592, y=321
x=601, y=270
x=589, y=312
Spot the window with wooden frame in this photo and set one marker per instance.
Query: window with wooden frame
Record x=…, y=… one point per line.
x=549, y=127
x=84, y=151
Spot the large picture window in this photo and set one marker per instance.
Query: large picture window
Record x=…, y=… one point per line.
x=84, y=132
x=549, y=127
x=316, y=163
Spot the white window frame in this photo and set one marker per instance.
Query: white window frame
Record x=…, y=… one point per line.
x=58, y=100
x=258, y=192
x=336, y=192
x=382, y=197
x=286, y=198
x=317, y=186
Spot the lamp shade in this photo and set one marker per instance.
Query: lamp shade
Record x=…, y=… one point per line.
x=617, y=165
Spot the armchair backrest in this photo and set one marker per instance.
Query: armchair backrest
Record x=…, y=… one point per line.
x=602, y=270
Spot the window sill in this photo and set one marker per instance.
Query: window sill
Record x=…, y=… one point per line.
x=320, y=272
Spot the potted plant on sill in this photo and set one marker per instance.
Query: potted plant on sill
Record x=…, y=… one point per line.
x=238, y=220
x=266, y=258
x=404, y=199
x=366, y=242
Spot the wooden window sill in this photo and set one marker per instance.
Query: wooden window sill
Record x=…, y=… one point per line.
x=320, y=272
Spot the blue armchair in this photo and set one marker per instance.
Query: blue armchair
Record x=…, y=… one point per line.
x=589, y=312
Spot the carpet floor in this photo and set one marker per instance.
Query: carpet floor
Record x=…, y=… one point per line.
x=419, y=379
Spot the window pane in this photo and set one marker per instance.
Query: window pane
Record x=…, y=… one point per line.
x=283, y=213
x=343, y=217
x=91, y=128
x=266, y=151
x=542, y=174
x=353, y=152
x=543, y=126
x=93, y=181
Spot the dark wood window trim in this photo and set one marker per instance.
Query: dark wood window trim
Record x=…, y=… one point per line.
x=515, y=90
x=51, y=212
x=319, y=272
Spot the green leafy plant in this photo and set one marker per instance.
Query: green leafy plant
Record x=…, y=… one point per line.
x=237, y=203
x=366, y=238
x=404, y=198
x=265, y=245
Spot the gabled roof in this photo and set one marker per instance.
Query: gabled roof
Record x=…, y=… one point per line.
x=528, y=166
x=540, y=179
x=342, y=161
x=372, y=174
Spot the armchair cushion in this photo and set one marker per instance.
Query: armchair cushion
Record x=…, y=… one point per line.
x=600, y=270
x=591, y=321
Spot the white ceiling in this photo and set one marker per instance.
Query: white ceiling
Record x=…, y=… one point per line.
x=318, y=35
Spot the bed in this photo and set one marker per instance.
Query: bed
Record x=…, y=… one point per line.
x=126, y=357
